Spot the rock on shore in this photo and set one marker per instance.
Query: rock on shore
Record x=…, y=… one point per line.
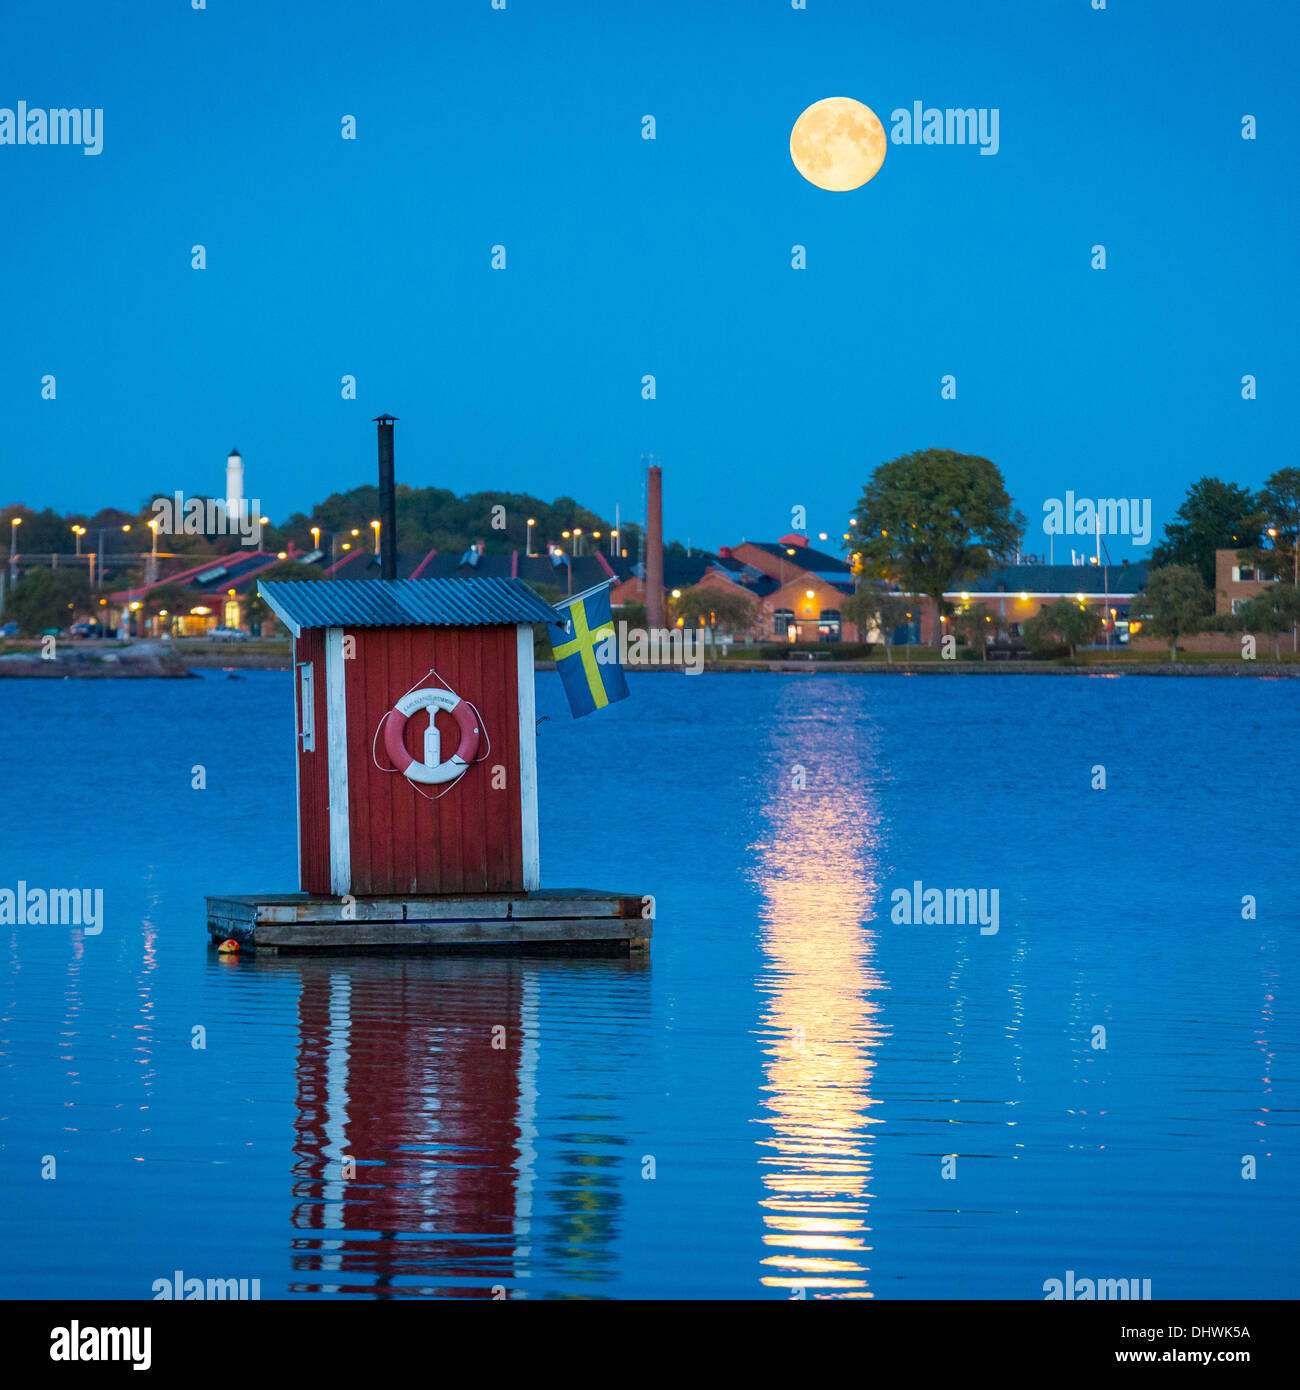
x=97, y=660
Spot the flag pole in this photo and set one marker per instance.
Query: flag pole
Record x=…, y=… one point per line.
x=595, y=589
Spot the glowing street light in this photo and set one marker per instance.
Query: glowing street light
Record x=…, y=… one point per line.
x=374, y=526
x=528, y=537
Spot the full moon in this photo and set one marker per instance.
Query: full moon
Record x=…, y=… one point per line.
x=838, y=144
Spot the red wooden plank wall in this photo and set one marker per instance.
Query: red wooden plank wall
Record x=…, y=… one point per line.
x=470, y=839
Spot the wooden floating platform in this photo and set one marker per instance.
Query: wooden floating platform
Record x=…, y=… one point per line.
x=572, y=921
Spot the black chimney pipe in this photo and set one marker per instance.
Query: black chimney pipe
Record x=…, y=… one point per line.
x=387, y=498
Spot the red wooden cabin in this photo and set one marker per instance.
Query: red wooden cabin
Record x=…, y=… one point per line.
x=368, y=827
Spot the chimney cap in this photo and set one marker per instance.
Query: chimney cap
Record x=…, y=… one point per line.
x=384, y=420
x=234, y=454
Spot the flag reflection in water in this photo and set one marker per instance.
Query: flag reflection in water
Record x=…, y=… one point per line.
x=817, y=868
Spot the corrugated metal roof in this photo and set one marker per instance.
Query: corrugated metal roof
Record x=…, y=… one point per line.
x=405, y=603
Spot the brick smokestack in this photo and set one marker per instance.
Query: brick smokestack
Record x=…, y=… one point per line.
x=654, y=550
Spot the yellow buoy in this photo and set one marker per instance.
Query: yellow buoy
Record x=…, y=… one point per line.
x=229, y=947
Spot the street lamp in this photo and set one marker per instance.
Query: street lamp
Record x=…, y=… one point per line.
x=14, y=523
x=99, y=568
x=528, y=538
x=315, y=537
x=374, y=525
x=78, y=531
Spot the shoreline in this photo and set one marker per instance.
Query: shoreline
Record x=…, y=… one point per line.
x=189, y=670
x=157, y=660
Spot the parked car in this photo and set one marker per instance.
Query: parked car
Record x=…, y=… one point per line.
x=51, y=632
x=227, y=634
x=9, y=630
x=87, y=630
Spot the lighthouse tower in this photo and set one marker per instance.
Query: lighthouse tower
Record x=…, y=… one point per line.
x=234, y=484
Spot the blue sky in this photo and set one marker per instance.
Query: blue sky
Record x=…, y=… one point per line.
x=775, y=387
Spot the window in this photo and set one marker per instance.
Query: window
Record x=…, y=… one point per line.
x=1236, y=604
x=307, y=708
x=1247, y=574
x=828, y=625
x=782, y=623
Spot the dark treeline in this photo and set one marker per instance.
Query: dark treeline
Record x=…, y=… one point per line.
x=427, y=518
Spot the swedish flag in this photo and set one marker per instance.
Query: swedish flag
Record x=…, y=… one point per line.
x=586, y=653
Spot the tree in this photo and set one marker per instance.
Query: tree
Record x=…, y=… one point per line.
x=875, y=607
x=1066, y=621
x=710, y=606
x=633, y=614
x=429, y=517
x=41, y=533
x=926, y=518
x=169, y=597
x=1214, y=516
x=1174, y=604
x=47, y=598
x=1280, y=500
x=290, y=571
x=976, y=622
x=1274, y=610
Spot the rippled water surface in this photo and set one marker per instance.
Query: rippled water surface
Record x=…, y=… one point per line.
x=767, y=1102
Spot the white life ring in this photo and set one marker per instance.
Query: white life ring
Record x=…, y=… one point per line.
x=395, y=741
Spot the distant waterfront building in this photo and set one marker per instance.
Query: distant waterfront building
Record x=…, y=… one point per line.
x=798, y=592
x=1017, y=592
x=1237, y=578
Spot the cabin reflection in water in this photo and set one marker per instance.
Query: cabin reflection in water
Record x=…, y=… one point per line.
x=416, y=1147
